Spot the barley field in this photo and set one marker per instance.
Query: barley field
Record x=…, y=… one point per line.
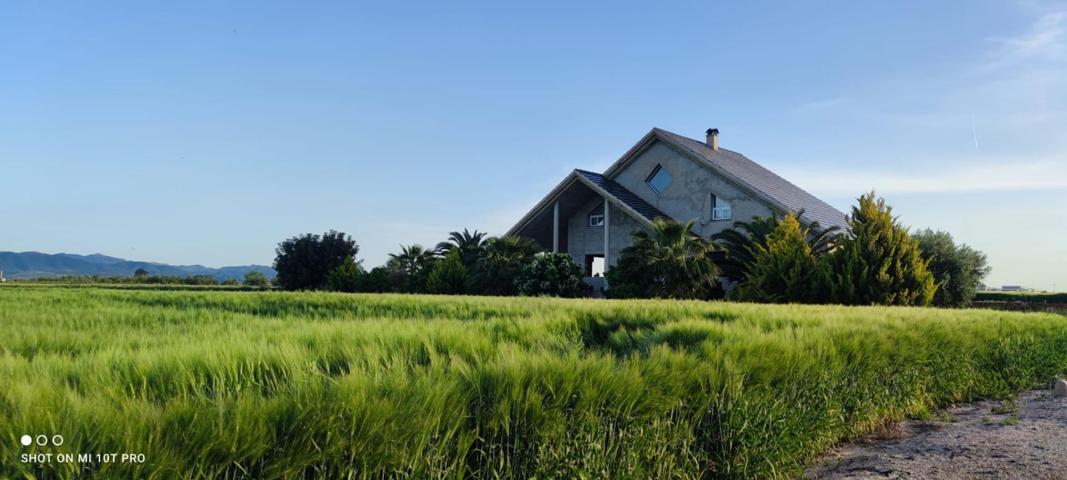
x=216, y=384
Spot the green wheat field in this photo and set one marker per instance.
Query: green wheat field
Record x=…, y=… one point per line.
x=216, y=384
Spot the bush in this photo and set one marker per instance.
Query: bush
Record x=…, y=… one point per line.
x=879, y=263
x=957, y=269
x=553, y=274
x=346, y=277
x=785, y=270
x=375, y=281
x=501, y=263
x=449, y=276
x=305, y=262
x=256, y=279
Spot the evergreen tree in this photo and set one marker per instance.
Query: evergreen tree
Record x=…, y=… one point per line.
x=784, y=268
x=449, y=276
x=345, y=278
x=879, y=263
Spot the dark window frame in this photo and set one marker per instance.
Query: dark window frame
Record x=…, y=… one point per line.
x=656, y=171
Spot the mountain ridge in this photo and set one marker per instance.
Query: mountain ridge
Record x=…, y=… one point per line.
x=31, y=264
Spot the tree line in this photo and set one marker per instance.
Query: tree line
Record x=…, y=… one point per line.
x=767, y=259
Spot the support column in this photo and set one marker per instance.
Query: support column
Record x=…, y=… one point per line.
x=607, y=236
x=555, y=228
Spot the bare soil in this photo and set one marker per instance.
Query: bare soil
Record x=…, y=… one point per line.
x=1024, y=438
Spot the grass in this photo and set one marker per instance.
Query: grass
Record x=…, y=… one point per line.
x=218, y=384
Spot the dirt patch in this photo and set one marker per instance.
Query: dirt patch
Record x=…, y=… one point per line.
x=1024, y=438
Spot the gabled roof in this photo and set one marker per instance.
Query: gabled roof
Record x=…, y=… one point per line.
x=747, y=174
x=623, y=194
x=618, y=195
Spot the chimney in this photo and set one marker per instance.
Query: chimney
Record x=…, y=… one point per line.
x=713, y=139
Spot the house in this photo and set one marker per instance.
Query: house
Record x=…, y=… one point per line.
x=591, y=215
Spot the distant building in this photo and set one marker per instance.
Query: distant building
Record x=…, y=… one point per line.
x=1012, y=288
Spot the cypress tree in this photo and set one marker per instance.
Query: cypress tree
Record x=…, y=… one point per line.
x=784, y=269
x=879, y=263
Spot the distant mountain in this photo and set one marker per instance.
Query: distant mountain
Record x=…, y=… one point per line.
x=36, y=264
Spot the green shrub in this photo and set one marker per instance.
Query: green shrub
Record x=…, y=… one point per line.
x=256, y=279
x=552, y=274
x=375, y=281
x=785, y=270
x=501, y=263
x=1029, y=297
x=345, y=278
x=449, y=276
x=957, y=269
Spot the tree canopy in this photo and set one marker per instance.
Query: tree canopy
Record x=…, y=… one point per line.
x=304, y=262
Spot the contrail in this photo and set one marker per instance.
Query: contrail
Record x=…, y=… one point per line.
x=974, y=133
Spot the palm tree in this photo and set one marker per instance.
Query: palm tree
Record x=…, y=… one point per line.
x=673, y=259
x=410, y=267
x=743, y=241
x=503, y=259
x=470, y=246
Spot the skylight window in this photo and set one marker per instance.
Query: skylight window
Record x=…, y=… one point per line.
x=659, y=180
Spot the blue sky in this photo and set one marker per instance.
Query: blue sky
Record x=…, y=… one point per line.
x=206, y=132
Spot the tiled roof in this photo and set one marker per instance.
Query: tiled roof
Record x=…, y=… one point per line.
x=623, y=195
x=763, y=180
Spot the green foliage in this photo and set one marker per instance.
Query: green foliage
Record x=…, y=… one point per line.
x=551, y=274
x=957, y=269
x=785, y=270
x=470, y=247
x=410, y=268
x=322, y=385
x=449, y=276
x=670, y=261
x=140, y=272
x=879, y=263
x=1028, y=297
x=304, y=262
x=741, y=243
x=256, y=279
x=501, y=263
x=377, y=280
x=345, y=278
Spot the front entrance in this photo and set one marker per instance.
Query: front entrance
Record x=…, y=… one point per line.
x=594, y=265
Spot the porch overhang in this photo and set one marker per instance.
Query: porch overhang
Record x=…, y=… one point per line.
x=541, y=223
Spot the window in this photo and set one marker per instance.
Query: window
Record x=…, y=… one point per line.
x=596, y=220
x=659, y=179
x=720, y=210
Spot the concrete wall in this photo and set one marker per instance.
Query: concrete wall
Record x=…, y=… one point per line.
x=687, y=197
x=584, y=240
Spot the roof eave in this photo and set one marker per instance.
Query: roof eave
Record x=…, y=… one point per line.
x=562, y=187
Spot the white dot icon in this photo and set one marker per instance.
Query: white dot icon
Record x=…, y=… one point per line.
x=26, y=440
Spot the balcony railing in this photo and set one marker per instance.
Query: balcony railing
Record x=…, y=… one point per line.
x=720, y=213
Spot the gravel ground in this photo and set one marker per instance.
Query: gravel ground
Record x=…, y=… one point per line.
x=1026, y=438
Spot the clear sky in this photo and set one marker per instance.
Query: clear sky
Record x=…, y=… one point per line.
x=206, y=132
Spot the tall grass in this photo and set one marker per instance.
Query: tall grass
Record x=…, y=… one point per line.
x=315, y=385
